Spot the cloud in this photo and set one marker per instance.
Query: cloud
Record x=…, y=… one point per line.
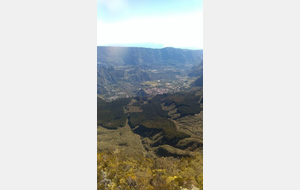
x=175, y=31
x=113, y=5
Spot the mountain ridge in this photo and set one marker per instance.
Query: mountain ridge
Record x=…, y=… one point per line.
x=139, y=56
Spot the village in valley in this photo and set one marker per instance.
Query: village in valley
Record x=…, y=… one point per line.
x=152, y=88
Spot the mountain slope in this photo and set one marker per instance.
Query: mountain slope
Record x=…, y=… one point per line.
x=167, y=124
x=196, y=70
x=141, y=56
x=198, y=82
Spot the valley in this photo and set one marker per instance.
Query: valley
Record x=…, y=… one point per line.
x=145, y=72
x=149, y=118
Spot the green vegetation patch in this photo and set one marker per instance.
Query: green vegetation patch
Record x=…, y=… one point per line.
x=187, y=103
x=154, y=120
x=190, y=144
x=111, y=114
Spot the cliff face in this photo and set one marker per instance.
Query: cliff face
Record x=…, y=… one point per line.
x=140, y=56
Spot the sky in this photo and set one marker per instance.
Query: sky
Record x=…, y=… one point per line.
x=150, y=23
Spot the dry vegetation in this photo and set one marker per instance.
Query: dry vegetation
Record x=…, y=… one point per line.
x=123, y=138
x=151, y=144
x=121, y=170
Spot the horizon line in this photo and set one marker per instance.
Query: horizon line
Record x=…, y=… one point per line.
x=149, y=47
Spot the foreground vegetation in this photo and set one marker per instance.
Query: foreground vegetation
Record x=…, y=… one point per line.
x=121, y=170
x=151, y=143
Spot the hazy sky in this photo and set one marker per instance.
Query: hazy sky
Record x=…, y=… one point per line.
x=161, y=23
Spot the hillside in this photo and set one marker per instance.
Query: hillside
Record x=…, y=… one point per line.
x=151, y=143
x=198, y=82
x=167, y=125
x=196, y=70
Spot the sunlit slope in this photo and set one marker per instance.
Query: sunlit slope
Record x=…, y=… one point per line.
x=166, y=125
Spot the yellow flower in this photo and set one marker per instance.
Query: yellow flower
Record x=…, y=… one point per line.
x=122, y=181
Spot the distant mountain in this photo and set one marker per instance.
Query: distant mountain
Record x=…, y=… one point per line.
x=147, y=56
x=110, y=75
x=107, y=75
